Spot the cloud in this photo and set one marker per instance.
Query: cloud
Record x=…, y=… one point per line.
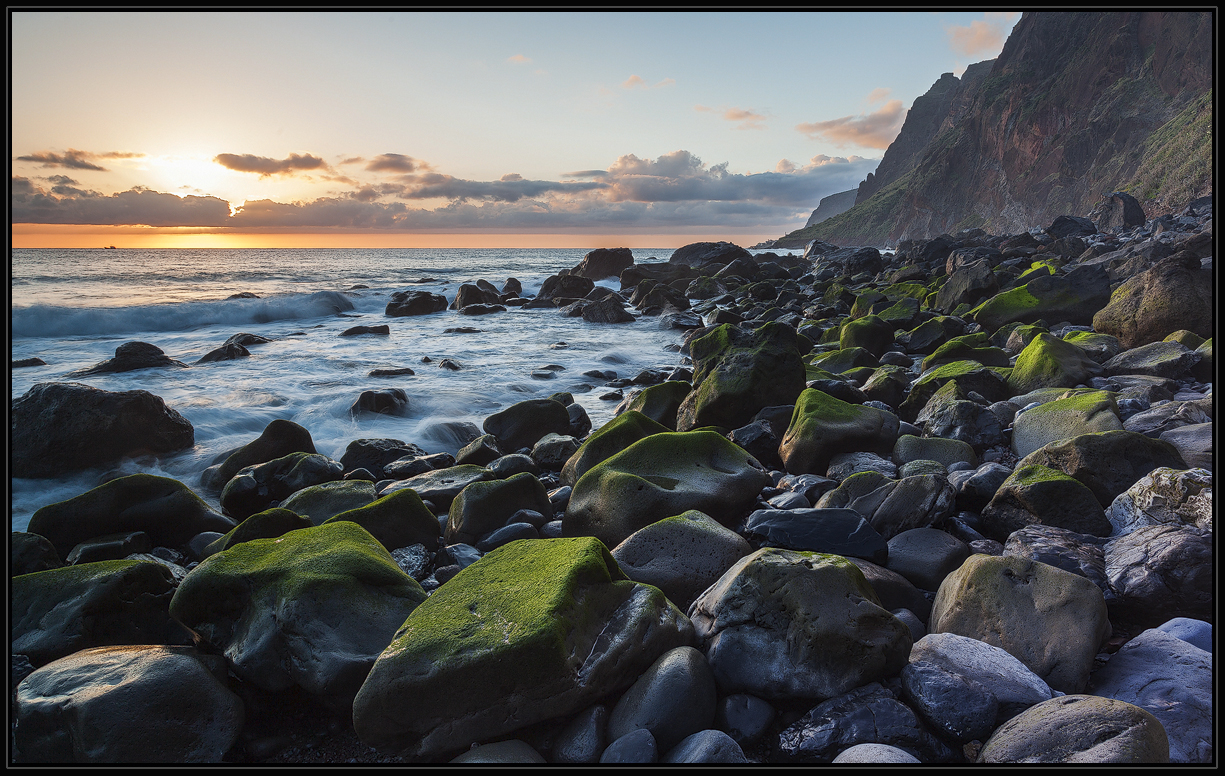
x=73, y=159
x=874, y=130
x=62, y=180
x=878, y=95
x=637, y=82
x=396, y=163
x=33, y=205
x=746, y=119
x=519, y=59
x=352, y=160
x=983, y=36
x=266, y=166
x=511, y=188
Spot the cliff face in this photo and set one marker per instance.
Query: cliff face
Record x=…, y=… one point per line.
x=1077, y=104
x=832, y=205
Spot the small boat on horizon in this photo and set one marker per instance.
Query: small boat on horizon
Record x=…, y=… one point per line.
x=109, y=247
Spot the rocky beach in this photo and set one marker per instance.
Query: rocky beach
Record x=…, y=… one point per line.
x=945, y=503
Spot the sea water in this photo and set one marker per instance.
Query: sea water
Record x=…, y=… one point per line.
x=72, y=308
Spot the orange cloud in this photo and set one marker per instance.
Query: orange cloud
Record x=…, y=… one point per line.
x=519, y=59
x=981, y=37
x=747, y=119
x=874, y=130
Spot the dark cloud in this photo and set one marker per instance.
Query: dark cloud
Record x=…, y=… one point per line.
x=266, y=166
x=396, y=163
x=438, y=186
x=33, y=205
x=62, y=180
x=585, y=174
x=72, y=159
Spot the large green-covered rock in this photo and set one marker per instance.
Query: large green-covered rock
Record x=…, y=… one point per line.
x=524, y=423
x=1175, y=294
x=131, y=704
x=321, y=502
x=1049, y=362
x=888, y=384
x=1074, y=298
x=969, y=347
x=59, y=611
x=1040, y=495
x=268, y=524
x=661, y=402
x=822, y=426
x=1099, y=347
x=661, y=476
x=737, y=373
x=164, y=508
x=1079, y=729
x=969, y=375
x=1076, y=414
x=532, y=631
x=613, y=437
x=487, y=506
x=1108, y=462
x=1051, y=620
x=311, y=608
x=782, y=624
x=871, y=333
x=842, y=360
x=399, y=519
x=254, y=488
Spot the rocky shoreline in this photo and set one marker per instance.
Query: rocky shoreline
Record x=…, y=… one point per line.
x=950, y=503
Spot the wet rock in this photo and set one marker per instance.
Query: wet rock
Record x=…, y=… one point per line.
x=129, y=356
x=1079, y=729
x=1159, y=572
x=404, y=303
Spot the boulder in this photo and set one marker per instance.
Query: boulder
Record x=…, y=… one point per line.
x=945, y=451
x=268, y=524
x=970, y=376
x=441, y=486
x=532, y=631
x=254, y=488
x=782, y=624
x=607, y=310
x=925, y=556
x=1051, y=620
x=482, y=507
x=509, y=752
x=384, y=401
x=1193, y=443
x=397, y=520
x=60, y=611
x=1079, y=729
x=564, y=287
x=737, y=373
x=59, y=428
x=1173, y=681
x=1159, y=359
x=611, y=438
x=832, y=531
x=373, y=454
x=1164, y=496
x=311, y=609
x=404, y=303
x=968, y=284
x=660, y=402
x=29, y=552
x=128, y=704
x=663, y=475
x=130, y=356
x=604, y=263
x=1159, y=572
x=1036, y=494
x=1079, y=413
x=1007, y=679
x=822, y=426
x=958, y=707
x=279, y=438
x=1174, y=294
x=681, y=555
x=524, y=423
x=871, y=332
x=699, y=253
x=1074, y=297
x=673, y=699
x=1117, y=212
x=1049, y=362
x=1108, y=462
x=229, y=352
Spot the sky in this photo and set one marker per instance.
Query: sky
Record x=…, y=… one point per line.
x=458, y=129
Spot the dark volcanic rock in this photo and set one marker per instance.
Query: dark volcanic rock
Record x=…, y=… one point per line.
x=24, y=362
x=129, y=356
x=697, y=254
x=604, y=263
x=607, y=310
x=63, y=427
x=356, y=330
x=227, y=352
x=415, y=303
x=386, y=401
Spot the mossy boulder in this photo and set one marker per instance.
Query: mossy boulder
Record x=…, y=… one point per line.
x=487, y=506
x=1107, y=462
x=320, y=502
x=968, y=347
x=871, y=332
x=1099, y=347
x=839, y=361
x=268, y=524
x=901, y=315
x=1049, y=362
x=968, y=284
x=523, y=424
x=1051, y=620
x=822, y=426
x=279, y=438
x=534, y=630
x=945, y=451
x=661, y=476
x=613, y=437
x=399, y=519
x=737, y=373
x=1174, y=295
x=59, y=611
x=869, y=302
x=1159, y=359
x=312, y=608
x=888, y=384
x=1074, y=298
x=1078, y=413
x=661, y=402
x=255, y=488
x=784, y=624
x=969, y=376
x=164, y=508
x=1040, y=495
x=1080, y=729
x=929, y=335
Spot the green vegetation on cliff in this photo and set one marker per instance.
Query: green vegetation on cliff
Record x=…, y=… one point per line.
x=1177, y=159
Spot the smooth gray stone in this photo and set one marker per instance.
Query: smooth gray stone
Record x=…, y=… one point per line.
x=632, y=748
x=582, y=740
x=1172, y=680
x=875, y=753
x=1004, y=676
x=513, y=751
x=925, y=556
x=1196, y=632
x=743, y=717
x=707, y=746
x=675, y=698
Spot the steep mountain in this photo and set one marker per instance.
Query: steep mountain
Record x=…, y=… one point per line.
x=1075, y=106
x=832, y=205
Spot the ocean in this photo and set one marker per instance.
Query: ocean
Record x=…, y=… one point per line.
x=72, y=308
